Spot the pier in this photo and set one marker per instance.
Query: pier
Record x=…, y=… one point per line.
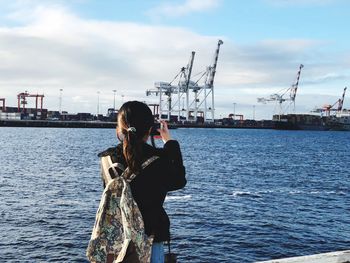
x=332, y=257
x=104, y=124
x=57, y=124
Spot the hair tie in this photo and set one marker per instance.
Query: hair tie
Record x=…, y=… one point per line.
x=131, y=129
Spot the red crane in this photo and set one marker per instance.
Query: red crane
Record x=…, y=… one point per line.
x=3, y=104
x=327, y=108
x=21, y=97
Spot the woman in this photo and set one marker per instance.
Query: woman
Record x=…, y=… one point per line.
x=167, y=173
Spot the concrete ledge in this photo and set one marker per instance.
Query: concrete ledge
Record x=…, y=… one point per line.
x=332, y=257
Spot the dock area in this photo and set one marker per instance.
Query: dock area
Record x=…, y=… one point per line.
x=331, y=257
x=57, y=124
x=105, y=124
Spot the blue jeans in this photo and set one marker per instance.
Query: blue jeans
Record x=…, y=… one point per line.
x=157, y=255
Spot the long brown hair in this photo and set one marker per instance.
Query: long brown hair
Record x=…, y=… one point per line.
x=134, y=122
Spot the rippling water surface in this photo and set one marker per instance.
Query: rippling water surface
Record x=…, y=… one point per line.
x=251, y=194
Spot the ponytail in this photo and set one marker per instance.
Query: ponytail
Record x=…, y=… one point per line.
x=134, y=122
x=132, y=150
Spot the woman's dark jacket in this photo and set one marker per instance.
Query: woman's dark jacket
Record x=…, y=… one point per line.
x=151, y=185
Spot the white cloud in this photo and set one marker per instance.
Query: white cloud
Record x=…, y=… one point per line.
x=56, y=49
x=187, y=7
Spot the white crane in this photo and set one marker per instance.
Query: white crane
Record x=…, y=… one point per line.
x=280, y=96
x=167, y=89
x=207, y=88
x=200, y=102
x=195, y=94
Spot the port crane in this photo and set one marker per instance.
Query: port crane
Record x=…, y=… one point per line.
x=3, y=104
x=280, y=96
x=168, y=89
x=341, y=102
x=202, y=92
x=195, y=94
x=22, y=99
x=328, y=108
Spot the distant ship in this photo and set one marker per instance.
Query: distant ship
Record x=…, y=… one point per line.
x=301, y=122
x=321, y=119
x=315, y=122
x=340, y=122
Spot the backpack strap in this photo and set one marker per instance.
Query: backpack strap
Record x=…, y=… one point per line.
x=116, y=165
x=143, y=166
x=106, y=165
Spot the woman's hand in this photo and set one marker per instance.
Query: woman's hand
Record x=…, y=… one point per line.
x=164, y=131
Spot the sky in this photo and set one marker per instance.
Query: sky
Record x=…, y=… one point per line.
x=86, y=47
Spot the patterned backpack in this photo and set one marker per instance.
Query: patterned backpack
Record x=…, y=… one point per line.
x=118, y=234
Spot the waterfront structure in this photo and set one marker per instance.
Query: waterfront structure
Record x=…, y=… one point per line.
x=280, y=97
x=300, y=122
x=318, y=119
x=3, y=108
x=199, y=94
x=330, y=257
x=22, y=100
x=60, y=102
x=328, y=108
x=114, y=92
x=341, y=121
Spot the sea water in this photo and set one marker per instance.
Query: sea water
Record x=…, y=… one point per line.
x=251, y=194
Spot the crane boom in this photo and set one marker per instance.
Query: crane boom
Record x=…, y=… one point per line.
x=279, y=97
x=213, y=67
x=189, y=69
x=188, y=79
x=341, y=101
x=209, y=83
x=294, y=88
